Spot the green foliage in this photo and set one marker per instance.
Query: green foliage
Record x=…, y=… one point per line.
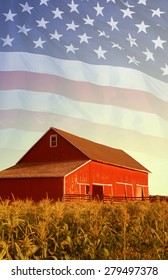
x=83, y=230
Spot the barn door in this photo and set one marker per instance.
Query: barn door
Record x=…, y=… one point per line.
x=97, y=192
x=139, y=193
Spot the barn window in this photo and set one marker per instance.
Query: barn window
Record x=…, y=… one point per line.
x=53, y=140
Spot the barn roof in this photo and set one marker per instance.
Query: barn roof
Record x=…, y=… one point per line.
x=41, y=169
x=102, y=153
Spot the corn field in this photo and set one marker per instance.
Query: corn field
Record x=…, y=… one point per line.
x=83, y=230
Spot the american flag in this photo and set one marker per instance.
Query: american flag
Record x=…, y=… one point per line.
x=96, y=68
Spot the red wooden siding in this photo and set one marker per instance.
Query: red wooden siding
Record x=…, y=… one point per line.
x=42, y=152
x=76, y=181
x=34, y=188
x=116, y=181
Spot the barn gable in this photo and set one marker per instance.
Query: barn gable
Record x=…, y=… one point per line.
x=52, y=146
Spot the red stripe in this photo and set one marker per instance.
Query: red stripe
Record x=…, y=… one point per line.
x=84, y=91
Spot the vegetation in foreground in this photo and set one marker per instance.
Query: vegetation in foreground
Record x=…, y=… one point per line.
x=88, y=230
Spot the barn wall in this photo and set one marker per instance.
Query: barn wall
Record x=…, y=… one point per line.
x=42, y=152
x=74, y=180
x=116, y=181
x=35, y=188
x=113, y=180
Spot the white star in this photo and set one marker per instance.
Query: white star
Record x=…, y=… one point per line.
x=142, y=2
x=7, y=41
x=158, y=42
x=84, y=38
x=42, y=23
x=88, y=20
x=157, y=12
x=23, y=29
x=127, y=4
x=113, y=24
x=127, y=13
x=165, y=70
x=99, y=9
x=71, y=48
x=39, y=43
x=72, y=26
x=149, y=55
x=57, y=13
x=44, y=2
x=133, y=60
x=111, y=1
x=100, y=52
x=142, y=27
x=102, y=33
x=73, y=7
x=56, y=35
x=9, y=16
x=131, y=40
x=117, y=46
x=26, y=8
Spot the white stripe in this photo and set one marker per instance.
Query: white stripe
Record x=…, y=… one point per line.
x=18, y=139
x=146, y=123
x=75, y=70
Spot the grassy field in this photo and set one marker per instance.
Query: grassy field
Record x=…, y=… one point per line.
x=88, y=230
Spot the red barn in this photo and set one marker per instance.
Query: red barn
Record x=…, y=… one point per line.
x=61, y=166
